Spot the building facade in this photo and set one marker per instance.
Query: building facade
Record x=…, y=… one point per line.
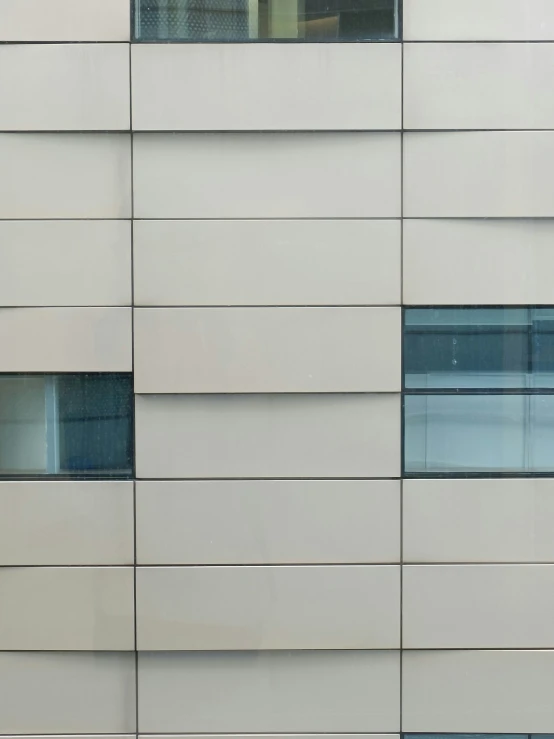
x=276, y=368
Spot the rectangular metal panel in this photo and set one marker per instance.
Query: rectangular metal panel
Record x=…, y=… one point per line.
x=66, y=608
x=58, y=263
x=46, y=175
x=256, y=87
x=252, y=692
x=479, y=174
x=64, y=87
x=222, y=436
x=245, y=608
x=267, y=262
x=268, y=522
x=66, y=523
x=478, y=691
x=65, y=340
x=267, y=175
x=267, y=350
x=70, y=693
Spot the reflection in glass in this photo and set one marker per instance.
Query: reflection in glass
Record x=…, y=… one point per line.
x=475, y=736
x=479, y=348
x=250, y=20
x=66, y=425
x=465, y=433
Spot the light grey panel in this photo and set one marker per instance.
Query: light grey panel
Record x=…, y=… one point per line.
x=64, y=20
x=496, y=262
x=112, y=736
x=267, y=350
x=66, y=608
x=272, y=736
x=256, y=87
x=267, y=262
x=251, y=692
x=245, y=608
x=67, y=693
x=478, y=20
x=65, y=340
x=267, y=436
x=46, y=175
x=502, y=174
x=267, y=175
x=478, y=691
x=478, y=606
x=476, y=86
x=267, y=521
x=55, y=87
x=69, y=263
x=478, y=520
x=66, y=523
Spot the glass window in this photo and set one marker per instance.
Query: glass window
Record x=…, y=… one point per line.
x=66, y=425
x=259, y=20
x=474, y=736
x=479, y=348
x=478, y=391
x=473, y=433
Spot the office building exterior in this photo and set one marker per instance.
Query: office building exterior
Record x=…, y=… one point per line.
x=276, y=368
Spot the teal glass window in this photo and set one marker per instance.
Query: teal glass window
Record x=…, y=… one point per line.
x=478, y=391
x=70, y=425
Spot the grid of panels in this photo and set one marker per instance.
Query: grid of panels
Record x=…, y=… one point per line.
x=269, y=571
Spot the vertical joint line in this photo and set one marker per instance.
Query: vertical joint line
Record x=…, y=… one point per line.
x=401, y=522
x=133, y=372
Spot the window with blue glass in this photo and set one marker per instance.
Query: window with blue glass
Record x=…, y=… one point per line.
x=478, y=391
x=70, y=425
x=478, y=736
x=266, y=20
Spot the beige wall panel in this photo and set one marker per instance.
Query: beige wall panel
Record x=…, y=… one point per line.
x=478, y=86
x=66, y=523
x=65, y=340
x=267, y=350
x=64, y=20
x=251, y=692
x=67, y=693
x=249, y=608
x=494, y=174
x=478, y=691
x=478, y=520
x=478, y=606
x=65, y=263
x=478, y=20
x=128, y=736
x=301, y=262
x=256, y=87
x=268, y=521
x=272, y=736
x=267, y=436
x=496, y=262
x=58, y=87
x=66, y=608
x=271, y=175
x=47, y=175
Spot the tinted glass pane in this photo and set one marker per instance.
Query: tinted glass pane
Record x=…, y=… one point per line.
x=470, y=736
x=479, y=348
x=462, y=434
x=251, y=20
x=66, y=425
